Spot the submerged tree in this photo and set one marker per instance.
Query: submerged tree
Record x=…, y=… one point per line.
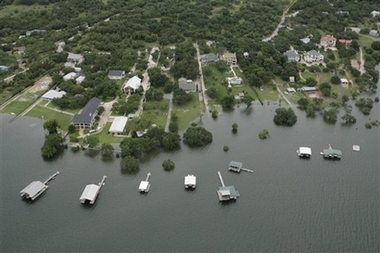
x=168, y=165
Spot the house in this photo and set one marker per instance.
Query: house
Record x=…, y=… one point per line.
x=186, y=85
x=307, y=89
x=86, y=118
x=116, y=74
x=346, y=42
x=291, y=90
x=4, y=68
x=375, y=13
x=305, y=40
x=70, y=76
x=132, y=85
x=373, y=33
x=355, y=64
x=292, y=56
x=53, y=94
x=234, y=81
x=328, y=41
x=75, y=58
x=210, y=58
x=118, y=125
x=344, y=81
x=313, y=56
x=80, y=79
x=230, y=58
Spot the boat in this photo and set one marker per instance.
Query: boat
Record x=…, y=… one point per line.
x=190, y=181
x=331, y=153
x=304, y=152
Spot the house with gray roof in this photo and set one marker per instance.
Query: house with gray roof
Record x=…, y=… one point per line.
x=210, y=58
x=116, y=74
x=313, y=56
x=373, y=33
x=75, y=58
x=86, y=118
x=186, y=85
x=292, y=56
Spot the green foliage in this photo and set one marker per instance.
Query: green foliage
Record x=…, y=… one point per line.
x=365, y=105
x=181, y=97
x=285, y=117
x=263, y=134
x=130, y=164
x=228, y=102
x=154, y=94
x=330, y=116
x=368, y=125
x=51, y=126
x=226, y=148
x=197, y=136
x=92, y=141
x=310, y=111
x=52, y=146
x=168, y=165
x=106, y=150
x=157, y=79
x=234, y=127
x=212, y=93
x=348, y=119
x=171, y=141
x=335, y=80
x=375, y=45
x=325, y=88
x=214, y=114
x=71, y=129
x=303, y=103
x=247, y=99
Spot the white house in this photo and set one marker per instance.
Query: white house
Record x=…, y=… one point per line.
x=53, y=94
x=70, y=76
x=373, y=33
x=186, y=85
x=80, y=79
x=132, y=85
x=313, y=56
x=75, y=58
x=234, y=81
x=118, y=125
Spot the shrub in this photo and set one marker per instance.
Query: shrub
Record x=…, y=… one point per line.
x=168, y=165
x=226, y=148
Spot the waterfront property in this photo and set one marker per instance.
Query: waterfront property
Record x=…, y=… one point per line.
x=118, y=125
x=190, y=181
x=226, y=193
x=91, y=192
x=86, y=118
x=304, y=152
x=331, y=153
x=144, y=186
x=36, y=188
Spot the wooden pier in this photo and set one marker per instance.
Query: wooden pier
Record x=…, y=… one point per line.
x=52, y=177
x=247, y=170
x=221, y=179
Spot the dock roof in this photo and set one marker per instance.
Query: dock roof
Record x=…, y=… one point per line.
x=305, y=150
x=236, y=164
x=332, y=151
x=190, y=180
x=227, y=193
x=90, y=192
x=143, y=185
x=33, y=188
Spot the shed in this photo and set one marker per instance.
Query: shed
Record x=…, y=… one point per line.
x=226, y=193
x=90, y=193
x=80, y=79
x=118, y=125
x=343, y=81
x=235, y=166
x=292, y=79
x=69, y=76
x=308, y=89
x=291, y=90
x=116, y=74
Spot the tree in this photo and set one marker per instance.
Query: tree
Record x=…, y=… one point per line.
x=181, y=97
x=168, y=165
x=71, y=129
x=52, y=146
x=311, y=82
x=310, y=111
x=285, y=117
x=348, y=119
x=228, y=102
x=335, y=80
x=51, y=126
x=197, y=136
x=171, y=141
x=345, y=99
x=106, y=150
x=263, y=134
x=247, y=99
x=92, y=141
x=303, y=103
x=234, y=128
x=330, y=116
x=130, y=164
x=375, y=45
x=212, y=93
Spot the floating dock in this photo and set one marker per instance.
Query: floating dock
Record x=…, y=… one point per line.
x=331, y=153
x=356, y=148
x=226, y=193
x=36, y=188
x=144, y=186
x=237, y=167
x=304, y=152
x=190, y=181
x=91, y=192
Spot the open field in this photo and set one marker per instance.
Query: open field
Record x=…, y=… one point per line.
x=188, y=113
x=39, y=111
x=105, y=137
x=17, y=106
x=4, y=96
x=366, y=40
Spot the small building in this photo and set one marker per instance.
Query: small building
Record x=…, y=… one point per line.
x=292, y=56
x=190, y=181
x=118, y=125
x=331, y=153
x=86, y=118
x=246, y=55
x=343, y=81
x=77, y=69
x=304, y=152
x=373, y=33
x=89, y=193
x=292, y=79
x=328, y=41
x=375, y=13
x=234, y=81
x=186, y=85
x=116, y=74
x=4, y=68
x=75, y=58
x=53, y=94
x=70, y=76
x=132, y=85
x=144, y=186
x=210, y=58
x=313, y=56
x=38, y=31
x=230, y=58
x=227, y=193
x=355, y=64
x=291, y=90
x=308, y=89
x=33, y=190
x=80, y=79
x=235, y=166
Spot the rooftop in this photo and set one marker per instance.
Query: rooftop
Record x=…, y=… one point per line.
x=116, y=73
x=33, y=189
x=90, y=192
x=118, y=124
x=85, y=116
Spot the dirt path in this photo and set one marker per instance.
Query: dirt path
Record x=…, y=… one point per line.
x=282, y=94
x=362, y=61
x=202, y=86
x=170, y=97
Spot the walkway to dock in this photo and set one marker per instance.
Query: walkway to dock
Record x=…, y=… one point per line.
x=221, y=179
x=52, y=177
x=247, y=170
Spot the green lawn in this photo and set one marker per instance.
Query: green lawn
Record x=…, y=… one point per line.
x=40, y=111
x=307, y=75
x=325, y=77
x=105, y=137
x=4, y=96
x=17, y=107
x=187, y=113
x=157, y=111
x=238, y=72
x=366, y=41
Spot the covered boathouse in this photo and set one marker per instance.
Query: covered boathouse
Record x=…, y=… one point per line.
x=33, y=190
x=89, y=194
x=235, y=166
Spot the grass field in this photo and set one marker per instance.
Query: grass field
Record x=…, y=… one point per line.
x=17, y=107
x=105, y=137
x=366, y=41
x=187, y=113
x=4, y=96
x=39, y=111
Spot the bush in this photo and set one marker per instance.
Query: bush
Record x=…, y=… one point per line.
x=263, y=134
x=234, y=128
x=168, y=165
x=226, y=148
x=285, y=117
x=130, y=164
x=197, y=136
x=214, y=114
x=368, y=125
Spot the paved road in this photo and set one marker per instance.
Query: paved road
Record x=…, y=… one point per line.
x=202, y=86
x=170, y=97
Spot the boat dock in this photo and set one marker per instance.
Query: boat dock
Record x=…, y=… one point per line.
x=144, y=186
x=304, y=152
x=91, y=192
x=226, y=193
x=36, y=188
x=237, y=167
x=190, y=181
x=331, y=153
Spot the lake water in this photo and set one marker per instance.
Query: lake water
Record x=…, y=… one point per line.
x=287, y=204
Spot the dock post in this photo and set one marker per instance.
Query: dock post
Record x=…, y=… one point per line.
x=221, y=179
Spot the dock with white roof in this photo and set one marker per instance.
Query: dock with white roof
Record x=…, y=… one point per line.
x=91, y=192
x=36, y=188
x=144, y=186
x=190, y=181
